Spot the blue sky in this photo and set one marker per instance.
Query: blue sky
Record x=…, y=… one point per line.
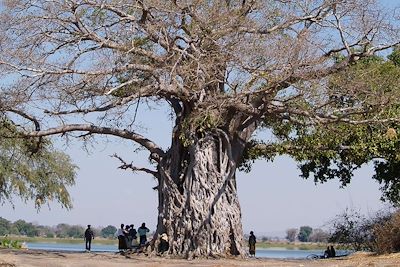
x=273, y=197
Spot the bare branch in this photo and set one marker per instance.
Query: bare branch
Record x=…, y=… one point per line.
x=130, y=166
x=156, y=151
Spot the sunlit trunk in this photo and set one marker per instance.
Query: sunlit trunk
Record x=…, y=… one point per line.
x=199, y=210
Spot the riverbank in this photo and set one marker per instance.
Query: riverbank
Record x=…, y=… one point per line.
x=106, y=241
x=98, y=240
x=32, y=258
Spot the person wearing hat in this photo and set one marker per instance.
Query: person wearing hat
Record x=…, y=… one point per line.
x=89, y=235
x=252, y=244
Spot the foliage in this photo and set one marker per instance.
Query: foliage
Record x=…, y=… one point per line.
x=25, y=228
x=32, y=169
x=349, y=229
x=319, y=236
x=4, y=226
x=291, y=234
x=379, y=233
x=28, y=229
x=327, y=152
x=75, y=231
x=108, y=231
x=387, y=234
x=8, y=243
x=304, y=233
x=64, y=230
x=395, y=56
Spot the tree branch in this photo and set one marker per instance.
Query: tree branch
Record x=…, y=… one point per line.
x=130, y=166
x=156, y=152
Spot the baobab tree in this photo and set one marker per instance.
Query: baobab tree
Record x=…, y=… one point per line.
x=225, y=69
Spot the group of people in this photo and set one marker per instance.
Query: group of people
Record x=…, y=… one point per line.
x=330, y=252
x=127, y=236
x=127, y=239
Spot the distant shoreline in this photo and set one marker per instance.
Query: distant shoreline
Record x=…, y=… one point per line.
x=106, y=241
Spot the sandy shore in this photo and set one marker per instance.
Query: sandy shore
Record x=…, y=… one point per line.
x=40, y=258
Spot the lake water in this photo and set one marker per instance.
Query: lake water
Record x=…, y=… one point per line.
x=276, y=253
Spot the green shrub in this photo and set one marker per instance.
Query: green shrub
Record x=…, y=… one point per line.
x=8, y=243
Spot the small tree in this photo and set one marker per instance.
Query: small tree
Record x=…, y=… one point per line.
x=291, y=234
x=61, y=230
x=304, y=233
x=319, y=235
x=5, y=226
x=75, y=231
x=25, y=228
x=352, y=229
x=108, y=231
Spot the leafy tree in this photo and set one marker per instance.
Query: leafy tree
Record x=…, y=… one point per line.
x=75, y=231
x=108, y=231
x=304, y=233
x=32, y=169
x=62, y=230
x=291, y=234
x=25, y=228
x=305, y=72
x=4, y=226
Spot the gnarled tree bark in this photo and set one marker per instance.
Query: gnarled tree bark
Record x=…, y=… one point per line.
x=198, y=204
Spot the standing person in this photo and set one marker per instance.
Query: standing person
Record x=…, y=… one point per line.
x=132, y=234
x=143, y=230
x=121, y=238
x=89, y=235
x=252, y=244
x=128, y=240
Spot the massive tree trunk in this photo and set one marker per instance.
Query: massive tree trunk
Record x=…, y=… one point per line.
x=198, y=203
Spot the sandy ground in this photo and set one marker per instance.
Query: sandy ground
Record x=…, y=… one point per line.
x=36, y=258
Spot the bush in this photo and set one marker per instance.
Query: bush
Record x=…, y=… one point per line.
x=8, y=243
x=350, y=230
x=387, y=234
x=380, y=233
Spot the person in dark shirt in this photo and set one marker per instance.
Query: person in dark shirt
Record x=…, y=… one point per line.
x=327, y=253
x=252, y=244
x=132, y=235
x=89, y=235
x=333, y=252
x=128, y=240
